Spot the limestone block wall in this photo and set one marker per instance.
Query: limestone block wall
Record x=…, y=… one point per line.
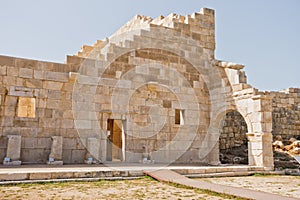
x=233, y=131
x=157, y=78
x=285, y=118
x=150, y=121
x=36, y=104
x=36, y=97
x=198, y=26
x=286, y=113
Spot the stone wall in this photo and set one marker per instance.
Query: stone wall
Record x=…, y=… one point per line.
x=286, y=113
x=157, y=77
x=233, y=131
x=37, y=97
x=47, y=109
x=150, y=118
x=47, y=89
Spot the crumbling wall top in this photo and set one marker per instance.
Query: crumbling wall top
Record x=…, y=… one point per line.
x=200, y=26
x=230, y=65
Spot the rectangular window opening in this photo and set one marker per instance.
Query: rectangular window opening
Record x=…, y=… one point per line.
x=179, y=117
x=26, y=107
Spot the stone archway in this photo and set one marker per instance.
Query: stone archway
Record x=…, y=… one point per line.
x=233, y=142
x=257, y=112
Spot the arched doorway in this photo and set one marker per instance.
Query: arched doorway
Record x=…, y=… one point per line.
x=233, y=143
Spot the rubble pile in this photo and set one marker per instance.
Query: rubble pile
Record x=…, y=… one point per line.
x=284, y=152
x=293, y=148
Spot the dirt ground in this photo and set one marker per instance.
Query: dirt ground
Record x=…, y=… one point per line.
x=146, y=188
x=282, y=185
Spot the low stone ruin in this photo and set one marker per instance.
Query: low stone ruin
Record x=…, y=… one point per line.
x=293, y=148
x=284, y=152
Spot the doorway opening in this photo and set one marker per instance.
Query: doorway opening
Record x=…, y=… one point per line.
x=115, y=141
x=233, y=141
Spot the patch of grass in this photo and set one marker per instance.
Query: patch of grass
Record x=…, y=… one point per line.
x=293, y=190
x=227, y=196
x=149, y=178
x=187, y=195
x=99, y=183
x=260, y=175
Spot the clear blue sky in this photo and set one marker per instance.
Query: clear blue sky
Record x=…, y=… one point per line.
x=262, y=34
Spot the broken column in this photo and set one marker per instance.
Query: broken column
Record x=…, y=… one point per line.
x=13, y=153
x=92, y=155
x=55, y=157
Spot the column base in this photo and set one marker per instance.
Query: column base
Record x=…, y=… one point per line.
x=55, y=163
x=215, y=163
x=91, y=161
x=12, y=163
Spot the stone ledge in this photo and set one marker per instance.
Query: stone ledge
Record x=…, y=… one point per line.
x=62, y=172
x=14, y=176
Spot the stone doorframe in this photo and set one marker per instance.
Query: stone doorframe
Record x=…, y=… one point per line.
x=104, y=118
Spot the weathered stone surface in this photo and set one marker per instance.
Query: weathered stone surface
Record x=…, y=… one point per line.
x=57, y=76
x=56, y=150
x=13, y=176
x=12, y=71
x=14, y=147
x=233, y=132
x=278, y=144
x=285, y=113
x=140, y=81
x=3, y=70
x=93, y=151
x=51, y=85
x=39, y=176
x=20, y=91
x=25, y=73
x=13, y=152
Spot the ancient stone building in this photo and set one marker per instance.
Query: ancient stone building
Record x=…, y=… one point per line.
x=153, y=91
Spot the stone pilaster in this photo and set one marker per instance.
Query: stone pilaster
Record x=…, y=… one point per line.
x=93, y=154
x=55, y=157
x=13, y=153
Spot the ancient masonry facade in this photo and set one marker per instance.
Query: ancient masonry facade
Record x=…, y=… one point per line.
x=285, y=120
x=153, y=91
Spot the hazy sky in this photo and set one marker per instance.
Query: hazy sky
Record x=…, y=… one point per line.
x=262, y=34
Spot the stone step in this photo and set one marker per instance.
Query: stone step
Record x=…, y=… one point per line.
x=44, y=172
